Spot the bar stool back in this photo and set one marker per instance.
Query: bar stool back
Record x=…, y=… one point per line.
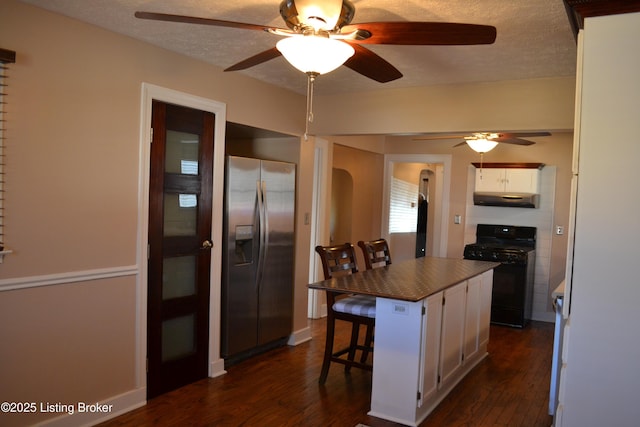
x=375, y=253
x=356, y=309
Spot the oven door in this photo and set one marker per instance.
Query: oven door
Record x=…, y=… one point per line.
x=508, y=297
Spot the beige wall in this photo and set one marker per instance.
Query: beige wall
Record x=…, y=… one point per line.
x=365, y=169
x=72, y=202
x=75, y=118
x=66, y=343
x=546, y=104
x=73, y=169
x=341, y=206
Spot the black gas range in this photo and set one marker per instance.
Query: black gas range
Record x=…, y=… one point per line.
x=514, y=248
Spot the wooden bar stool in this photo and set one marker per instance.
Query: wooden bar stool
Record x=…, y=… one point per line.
x=375, y=253
x=356, y=309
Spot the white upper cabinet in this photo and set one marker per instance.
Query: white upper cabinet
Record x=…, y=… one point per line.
x=507, y=180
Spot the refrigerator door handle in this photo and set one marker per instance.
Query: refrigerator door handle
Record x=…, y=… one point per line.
x=261, y=235
x=265, y=235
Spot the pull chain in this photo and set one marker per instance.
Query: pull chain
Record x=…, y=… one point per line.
x=311, y=78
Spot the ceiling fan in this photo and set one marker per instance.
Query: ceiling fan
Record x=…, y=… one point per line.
x=321, y=38
x=328, y=22
x=486, y=141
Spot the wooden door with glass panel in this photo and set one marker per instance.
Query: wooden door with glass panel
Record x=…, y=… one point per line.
x=179, y=262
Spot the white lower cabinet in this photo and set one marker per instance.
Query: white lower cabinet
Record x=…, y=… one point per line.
x=472, y=319
x=486, y=288
x=464, y=333
x=477, y=316
x=452, y=332
x=431, y=347
x=423, y=349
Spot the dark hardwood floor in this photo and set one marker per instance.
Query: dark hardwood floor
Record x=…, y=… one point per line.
x=280, y=388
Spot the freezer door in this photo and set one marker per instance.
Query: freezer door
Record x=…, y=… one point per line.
x=240, y=256
x=275, y=310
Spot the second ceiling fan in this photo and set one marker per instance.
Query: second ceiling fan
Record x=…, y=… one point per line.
x=486, y=141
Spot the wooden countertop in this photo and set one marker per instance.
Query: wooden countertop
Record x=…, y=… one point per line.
x=411, y=280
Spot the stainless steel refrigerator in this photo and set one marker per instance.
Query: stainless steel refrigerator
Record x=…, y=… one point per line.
x=257, y=290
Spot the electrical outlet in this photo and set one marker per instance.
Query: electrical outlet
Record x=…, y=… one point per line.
x=559, y=230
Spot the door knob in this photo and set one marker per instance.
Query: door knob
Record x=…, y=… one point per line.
x=207, y=244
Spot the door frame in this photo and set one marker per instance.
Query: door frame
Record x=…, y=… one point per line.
x=320, y=207
x=441, y=224
x=149, y=93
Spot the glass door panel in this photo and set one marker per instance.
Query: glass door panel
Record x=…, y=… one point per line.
x=180, y=214
x=178, y=277
x=182, y=153
x=178, y=337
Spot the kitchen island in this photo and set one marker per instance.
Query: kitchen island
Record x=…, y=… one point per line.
x=432, y=328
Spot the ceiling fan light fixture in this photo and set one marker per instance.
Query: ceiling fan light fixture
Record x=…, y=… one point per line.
x=321, y=15
x=481, y=145
x=314, y=54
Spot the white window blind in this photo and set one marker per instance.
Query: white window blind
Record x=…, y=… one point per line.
x=6, y=57
x=403, y=206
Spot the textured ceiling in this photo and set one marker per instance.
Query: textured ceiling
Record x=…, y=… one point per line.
x=534, y=38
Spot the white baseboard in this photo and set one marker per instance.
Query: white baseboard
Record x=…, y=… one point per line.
x=216, y=368
x=300, y=336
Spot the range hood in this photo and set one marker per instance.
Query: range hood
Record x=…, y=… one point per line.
x=513, y=200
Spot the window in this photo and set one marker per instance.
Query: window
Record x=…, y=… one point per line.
x=403, y=206
x=6, y=57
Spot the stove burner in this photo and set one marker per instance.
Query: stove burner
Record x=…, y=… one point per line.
x=504, y=254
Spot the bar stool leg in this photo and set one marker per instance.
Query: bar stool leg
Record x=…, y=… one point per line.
x=328, y=349
x=353, y=345
x=368, y=341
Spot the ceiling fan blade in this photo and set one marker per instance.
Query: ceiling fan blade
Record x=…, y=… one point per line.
x=424, y=33
x=369, y=64
x=517, y=141
x=201, y=21
x=519, y=134
x=265, y=56
x=436, y=137
x=461, y=144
